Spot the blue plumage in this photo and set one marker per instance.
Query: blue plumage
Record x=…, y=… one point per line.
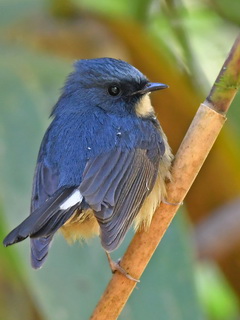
x=95, y=132
x=103, y=152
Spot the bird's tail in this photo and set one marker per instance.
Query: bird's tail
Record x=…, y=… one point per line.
x=41, y=225
x=39, y=250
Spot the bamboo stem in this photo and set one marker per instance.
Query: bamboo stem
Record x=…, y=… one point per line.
x=227, y=82
x=189, y=159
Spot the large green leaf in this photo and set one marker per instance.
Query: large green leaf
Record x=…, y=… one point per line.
x=16, y=301
x=12, y=11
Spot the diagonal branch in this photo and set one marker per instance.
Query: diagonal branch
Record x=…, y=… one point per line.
x=189, y=159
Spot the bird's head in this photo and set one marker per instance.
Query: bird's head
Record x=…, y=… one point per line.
x=110, y=84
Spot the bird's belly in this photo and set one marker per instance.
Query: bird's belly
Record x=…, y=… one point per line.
x=80, y=226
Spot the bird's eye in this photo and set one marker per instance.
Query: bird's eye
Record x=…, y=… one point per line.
x=114, y=90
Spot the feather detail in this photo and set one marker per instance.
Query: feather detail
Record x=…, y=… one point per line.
x=45, y=220
x=114, y=186
x=81, y=226
x=39, y=251
x=158, y=193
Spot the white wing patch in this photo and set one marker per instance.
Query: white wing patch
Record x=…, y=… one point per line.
x=74, y=198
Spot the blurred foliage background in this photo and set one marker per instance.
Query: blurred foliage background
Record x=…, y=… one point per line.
x=194, y=273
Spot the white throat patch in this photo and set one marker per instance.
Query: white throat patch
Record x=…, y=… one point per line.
x=144, y=106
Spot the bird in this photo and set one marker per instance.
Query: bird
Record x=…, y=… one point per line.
x=103, y=162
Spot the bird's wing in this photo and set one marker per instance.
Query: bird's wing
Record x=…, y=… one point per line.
x=115, y=184
x=45, y=184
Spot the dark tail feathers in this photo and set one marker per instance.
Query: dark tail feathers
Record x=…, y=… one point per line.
x=41, y=225
x=39, y=251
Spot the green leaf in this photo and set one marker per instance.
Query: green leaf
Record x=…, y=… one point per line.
x=230, y=12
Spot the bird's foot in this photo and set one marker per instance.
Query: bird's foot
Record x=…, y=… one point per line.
x=115, y=266
x=172, y=204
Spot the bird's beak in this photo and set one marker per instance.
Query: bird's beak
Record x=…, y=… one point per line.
x=151, y=86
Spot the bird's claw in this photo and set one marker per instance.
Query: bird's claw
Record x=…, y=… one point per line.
x=172, y=204
x=115, y=266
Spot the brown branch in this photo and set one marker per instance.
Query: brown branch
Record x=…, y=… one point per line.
x=189, y=159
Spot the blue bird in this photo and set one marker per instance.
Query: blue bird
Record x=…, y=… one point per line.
x=103, y=161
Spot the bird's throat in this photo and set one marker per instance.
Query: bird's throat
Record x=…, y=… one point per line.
x=144, y=107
